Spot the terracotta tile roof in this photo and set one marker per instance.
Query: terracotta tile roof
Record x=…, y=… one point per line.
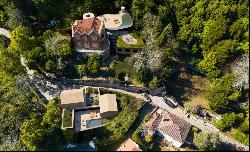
x=87, y=25
x=169, y=124
x=129, y=145
x=174, y=127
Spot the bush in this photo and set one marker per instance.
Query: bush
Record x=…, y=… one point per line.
x=208, y=142
x=154, y=83
x=244, y=127
x=222, y=97
x=195, y=129
x=82, y=69
x=241, y=137
x=94, y=63
x=144, y=76
x=149, y=138
x=229, y=120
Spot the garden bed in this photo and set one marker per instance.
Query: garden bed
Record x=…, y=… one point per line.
x=67, y=118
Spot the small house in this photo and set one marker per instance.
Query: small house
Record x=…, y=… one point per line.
x=174, y=129
x=129, y=145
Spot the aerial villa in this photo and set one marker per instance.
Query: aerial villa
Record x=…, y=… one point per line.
x=83, y=111
x=99, y=34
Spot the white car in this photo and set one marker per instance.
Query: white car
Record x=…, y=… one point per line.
x=146, y=96
x=170, y=101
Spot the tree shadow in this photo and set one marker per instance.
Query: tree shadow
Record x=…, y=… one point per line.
x=178, y=87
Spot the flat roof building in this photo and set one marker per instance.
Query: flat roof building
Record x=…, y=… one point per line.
x=73, y=99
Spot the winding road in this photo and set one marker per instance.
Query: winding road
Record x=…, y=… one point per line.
x=46, y=89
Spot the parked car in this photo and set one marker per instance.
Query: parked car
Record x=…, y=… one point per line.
x=146, y=96
x=170, y=101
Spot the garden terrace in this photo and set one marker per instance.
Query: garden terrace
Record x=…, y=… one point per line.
x=138, y=45
x=67, y=118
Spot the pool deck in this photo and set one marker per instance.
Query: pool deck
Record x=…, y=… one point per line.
x=84, y=116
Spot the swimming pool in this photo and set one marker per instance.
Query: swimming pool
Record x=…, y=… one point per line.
x=93, y=123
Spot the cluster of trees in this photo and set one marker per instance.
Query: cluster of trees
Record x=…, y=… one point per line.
x=145, y=141
x=43, y=132
x=47, y=52
x=92, y=66
x=208, y=142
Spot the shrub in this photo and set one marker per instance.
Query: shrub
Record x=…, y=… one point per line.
x=241, y=137
x=81, y=69
x=229, y=120
x=154, y=83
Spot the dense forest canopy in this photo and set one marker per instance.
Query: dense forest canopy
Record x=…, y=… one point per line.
x=210, y=36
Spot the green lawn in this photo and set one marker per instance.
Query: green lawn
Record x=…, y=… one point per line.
x=121, y=44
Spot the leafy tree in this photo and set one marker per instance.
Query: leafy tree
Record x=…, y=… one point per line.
x=124, y=101
x=144, y=76
x=222, y=97
x=154, y=83
x=208, y=142
x=82, y=69
x=244, y=127
x=15, y=17
x=43, y=134
x=229, y=120
x=94, y=63
x=216, y=58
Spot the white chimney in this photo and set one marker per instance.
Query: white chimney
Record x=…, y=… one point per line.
x=123, y=9
x=88, y=15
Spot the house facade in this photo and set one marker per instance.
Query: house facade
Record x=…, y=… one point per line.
x=89, y=35
x=174, y=129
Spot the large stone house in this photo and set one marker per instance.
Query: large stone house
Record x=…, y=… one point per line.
x=89, y=35
x=92, y=34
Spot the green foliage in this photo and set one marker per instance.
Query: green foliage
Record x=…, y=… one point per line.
x=144, y=76
x=149, y=138
x=82, y=69
x=222, y=97
x=154, y=83
x=241, y=137
x=208, y=142
x=124, y=101
x=67, y=118
x=214, y=30
x=229, y=120
x=244, y=127
x=94, y=63
x=42, y=134
x=15, y=17
x=216, y=58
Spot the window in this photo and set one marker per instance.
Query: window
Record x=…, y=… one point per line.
x=86, y=45
x=95, y=45
x=77, y=36
x=135, y=51
x=85, y=37
x=78, y=44
x=94, y=37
